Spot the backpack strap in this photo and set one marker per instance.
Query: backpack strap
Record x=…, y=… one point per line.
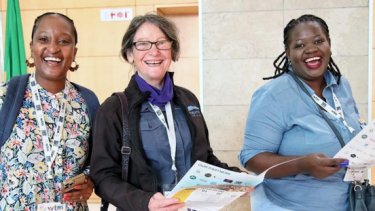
x=125, y=149
x=12, y=104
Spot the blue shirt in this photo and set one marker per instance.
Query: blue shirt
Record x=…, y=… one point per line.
x=156, y=145
x=284, y=120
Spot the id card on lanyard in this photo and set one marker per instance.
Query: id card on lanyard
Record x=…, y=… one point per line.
x=50, y=150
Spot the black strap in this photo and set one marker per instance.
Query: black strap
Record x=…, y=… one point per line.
x=331, y=125
x=125, y=149
x=338, y=135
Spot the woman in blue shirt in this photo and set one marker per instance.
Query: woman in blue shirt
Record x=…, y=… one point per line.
x=284, y=123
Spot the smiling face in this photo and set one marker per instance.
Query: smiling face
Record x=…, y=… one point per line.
x=151, y=64
x=53, y=48
x=309, y=51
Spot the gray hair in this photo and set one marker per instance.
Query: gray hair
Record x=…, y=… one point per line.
x=165, y=25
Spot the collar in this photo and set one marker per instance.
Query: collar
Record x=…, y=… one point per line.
x=328, y=77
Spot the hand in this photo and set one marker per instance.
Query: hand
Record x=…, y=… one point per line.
x=158, y=202
x=81, y=192
x=321, y=166
x=248, y=191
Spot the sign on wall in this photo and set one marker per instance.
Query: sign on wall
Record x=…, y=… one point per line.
x=116, y=14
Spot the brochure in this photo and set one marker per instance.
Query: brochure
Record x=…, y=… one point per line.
x=207, y=187
x=360, y=153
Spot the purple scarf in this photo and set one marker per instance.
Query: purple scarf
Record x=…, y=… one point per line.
x=157, y=97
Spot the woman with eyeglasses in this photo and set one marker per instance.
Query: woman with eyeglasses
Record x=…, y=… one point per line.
x=167, y=132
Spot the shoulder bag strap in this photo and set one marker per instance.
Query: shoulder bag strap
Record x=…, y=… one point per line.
x=125, y=149
x=331, y=125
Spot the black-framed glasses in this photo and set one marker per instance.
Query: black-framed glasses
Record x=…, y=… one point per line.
x=147, y=45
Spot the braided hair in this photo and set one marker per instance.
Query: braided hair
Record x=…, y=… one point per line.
x=281, y=63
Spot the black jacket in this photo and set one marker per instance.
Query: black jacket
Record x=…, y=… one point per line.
x=142, y=184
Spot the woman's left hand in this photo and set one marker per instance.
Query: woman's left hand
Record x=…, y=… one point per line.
x=81, y=192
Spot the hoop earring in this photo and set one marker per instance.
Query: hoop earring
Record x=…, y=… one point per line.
x=30, y=62
x=74, y=66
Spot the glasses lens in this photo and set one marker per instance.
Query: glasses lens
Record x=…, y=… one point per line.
x=142, y=46
x=164, y=44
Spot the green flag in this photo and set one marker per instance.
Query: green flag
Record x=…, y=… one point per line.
x=14, y=55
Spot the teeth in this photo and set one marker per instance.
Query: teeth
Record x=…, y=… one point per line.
x=54, y=59
x=312, y=59
x=153, y=62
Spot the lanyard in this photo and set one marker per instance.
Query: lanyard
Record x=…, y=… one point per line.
x=336, y=112
x=50, y=152
x=169, y=128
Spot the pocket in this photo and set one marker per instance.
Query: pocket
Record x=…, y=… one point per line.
x=309, y=134
x=319, y=132
x=321, y=136
x=154, y=139
x=151, y=128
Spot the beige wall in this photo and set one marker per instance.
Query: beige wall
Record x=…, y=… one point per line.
x=242, y=38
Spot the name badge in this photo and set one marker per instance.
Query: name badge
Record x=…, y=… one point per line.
x=55, y=206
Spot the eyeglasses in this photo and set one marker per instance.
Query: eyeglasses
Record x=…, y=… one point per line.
x=147, y=45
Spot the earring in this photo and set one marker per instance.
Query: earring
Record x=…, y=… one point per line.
x=74, y=66
x=30, y=62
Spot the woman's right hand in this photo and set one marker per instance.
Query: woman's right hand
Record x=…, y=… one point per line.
x=159, y=202
x=320, y=166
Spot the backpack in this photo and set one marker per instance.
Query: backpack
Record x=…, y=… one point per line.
x=14, y=99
